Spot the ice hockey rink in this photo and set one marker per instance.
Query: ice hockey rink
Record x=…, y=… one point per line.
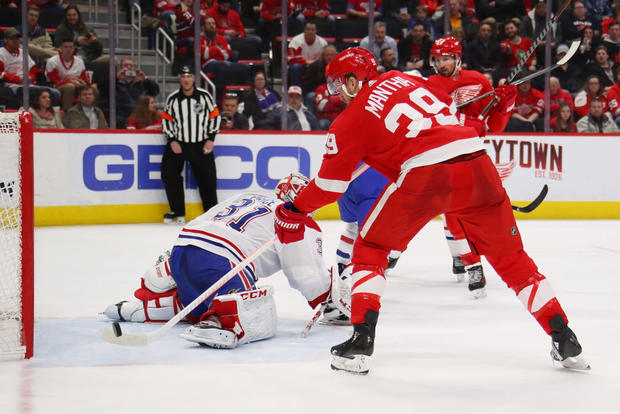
x=437, y=349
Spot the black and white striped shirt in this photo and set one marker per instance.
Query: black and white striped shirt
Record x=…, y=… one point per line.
x=190, y=119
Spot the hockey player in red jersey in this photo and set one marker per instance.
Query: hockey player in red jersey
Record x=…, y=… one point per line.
x=409, y=131
x=464, y=85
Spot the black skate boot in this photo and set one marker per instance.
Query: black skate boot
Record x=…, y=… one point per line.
x=477, y=282
x=457, y=268
x=565, y=347
x=354, y=354
x=173, y=218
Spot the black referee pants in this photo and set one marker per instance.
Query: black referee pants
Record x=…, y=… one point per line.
x=203, y=166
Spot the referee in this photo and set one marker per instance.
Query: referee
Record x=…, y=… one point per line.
x=190, y=122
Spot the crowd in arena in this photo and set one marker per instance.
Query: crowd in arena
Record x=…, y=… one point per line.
x=70, y=76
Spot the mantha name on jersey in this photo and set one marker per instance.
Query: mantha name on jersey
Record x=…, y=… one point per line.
x=396, y=123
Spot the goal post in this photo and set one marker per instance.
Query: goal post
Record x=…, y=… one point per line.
x=16, y=236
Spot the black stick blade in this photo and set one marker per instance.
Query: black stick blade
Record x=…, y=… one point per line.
x=532, y=206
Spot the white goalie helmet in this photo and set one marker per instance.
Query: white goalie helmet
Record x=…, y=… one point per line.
x=290, y=186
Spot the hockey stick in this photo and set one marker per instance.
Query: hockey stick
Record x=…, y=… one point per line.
x=528, y=53
x=530, y=207
x=116, y=336
x=315, y=318
x=574, y=46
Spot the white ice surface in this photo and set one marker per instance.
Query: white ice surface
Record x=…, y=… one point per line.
x=437, y=349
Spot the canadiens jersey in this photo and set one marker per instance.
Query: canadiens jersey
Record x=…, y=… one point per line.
x=396, y=123
x=465, y=86
x=238, y=226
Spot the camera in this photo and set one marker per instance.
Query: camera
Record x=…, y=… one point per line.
x=130, y=73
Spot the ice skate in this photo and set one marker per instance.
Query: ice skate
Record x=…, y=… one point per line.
x=458, y=269
x=353, y=355
x=210, y=334
x=333, y=316
x=477, y=282
x=173, y=218
x=565, y=347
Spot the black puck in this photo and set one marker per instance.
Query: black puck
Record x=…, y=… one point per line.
x=117, y=329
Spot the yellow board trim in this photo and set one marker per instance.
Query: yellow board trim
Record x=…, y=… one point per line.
x=153, y=213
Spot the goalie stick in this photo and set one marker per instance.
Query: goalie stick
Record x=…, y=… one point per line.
x=116, y=336
x=571, y=52
x=528, y=53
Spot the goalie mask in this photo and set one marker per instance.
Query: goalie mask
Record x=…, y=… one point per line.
x=447, y=46
x=352, y=61
x=289, y=187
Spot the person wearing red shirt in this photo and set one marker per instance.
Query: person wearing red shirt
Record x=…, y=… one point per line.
x=613, y=95
x=513, y=47
x=328, y=107
x=558, y=95
x=409, y=131
x=591, y=89
x=229, y=25
x=358, y=9
x=271, y=17
x=529, y=105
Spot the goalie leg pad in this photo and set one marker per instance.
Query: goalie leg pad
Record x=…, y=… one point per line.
x=151, y=307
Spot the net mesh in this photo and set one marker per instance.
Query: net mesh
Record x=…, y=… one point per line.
x=10, y=238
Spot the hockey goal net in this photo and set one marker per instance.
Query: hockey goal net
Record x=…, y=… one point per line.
x=16, y=236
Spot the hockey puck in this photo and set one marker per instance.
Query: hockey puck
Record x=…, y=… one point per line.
x=117, y=329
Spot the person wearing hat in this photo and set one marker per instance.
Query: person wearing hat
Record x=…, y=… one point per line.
x=11, y=71
x=569, y=74
x=190, y=122
x=299, y=118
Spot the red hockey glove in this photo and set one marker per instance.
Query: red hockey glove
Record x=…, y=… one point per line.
x=289, y=225
x=506, y=95
x=475, y=123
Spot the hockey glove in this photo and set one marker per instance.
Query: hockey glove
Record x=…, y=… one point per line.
x=474, y=123
x=289, y=225
x=506, y=95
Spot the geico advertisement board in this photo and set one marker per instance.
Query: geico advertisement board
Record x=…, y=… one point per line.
x=118, y=169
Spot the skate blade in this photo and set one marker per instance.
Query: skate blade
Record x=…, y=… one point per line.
x=577, y=362
x=357, y=364
x=479, y=293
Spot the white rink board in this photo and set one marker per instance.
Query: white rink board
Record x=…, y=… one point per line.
x=84, y=169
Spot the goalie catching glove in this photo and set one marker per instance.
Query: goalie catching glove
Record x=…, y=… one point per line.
x=236, y=318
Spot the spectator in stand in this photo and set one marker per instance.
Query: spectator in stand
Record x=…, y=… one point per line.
x=299, y=118
x=85, y=115
x=67, y=72
x=457, y=19
x=615, y=17
x=421, y=17
x=415, y=50
x=73, y=27
x=328, y=106
x=145, y=115
x=387, y=61
x=587, y=49
x=557, y=95
x=184, y=29
x=131, y=84
x=601, y=67
x=312, y=9
x=315, y=74
x=482, y=52
x=229, y=25
x=44, y=115
x=599, y=8
x=563, y=121
x=568, y=74
x=613, y=95
x=573, y=24
x=592, y=89
x=51, y=11
x=597, y=120
x=259, y=102
x=164, y=11
x=271, y=18
x=432, y=7
x=40, y=46
x=381, y=41
x=534, y=22
x=528, y=107
x=216, y=52
x=303, y=50
x=499, y=9
x=611, y=41
x=512, y=48
x=11, y=71
x=231, y=118
x=358, y=9
x=397, y=16
x=10, y=13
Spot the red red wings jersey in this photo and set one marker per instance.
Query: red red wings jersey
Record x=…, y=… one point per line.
x=465, y=86
x=561, y=96
x=516, y=51
x=216, y=49
x=396, y=123
x=613, y=99
x=526, y=105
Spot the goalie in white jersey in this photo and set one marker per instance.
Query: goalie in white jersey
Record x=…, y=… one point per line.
x=210, y=246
